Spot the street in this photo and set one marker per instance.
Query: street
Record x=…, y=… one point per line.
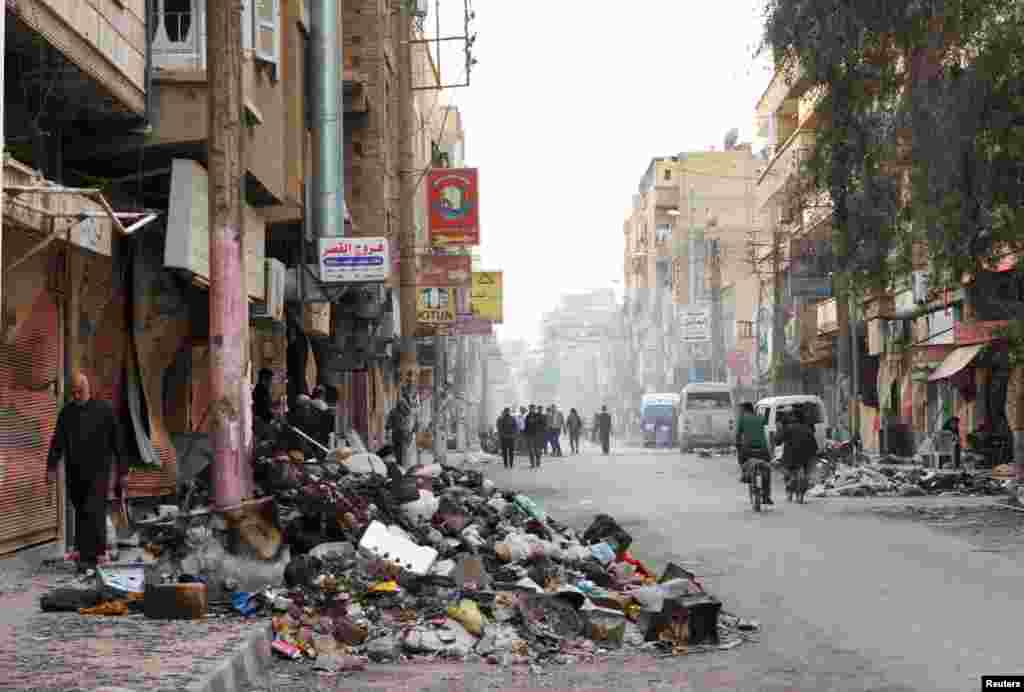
x=851, y=594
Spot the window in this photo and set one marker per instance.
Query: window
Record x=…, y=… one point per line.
x=708, y=401
x=668, y=174
x=266, y=30
x=178, y=34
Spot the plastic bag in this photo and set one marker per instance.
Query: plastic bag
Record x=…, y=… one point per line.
x=423, y=509
x=467, y=613
x=531, y=508
x=602, y=552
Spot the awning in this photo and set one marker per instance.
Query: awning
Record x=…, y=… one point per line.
x=956, y=361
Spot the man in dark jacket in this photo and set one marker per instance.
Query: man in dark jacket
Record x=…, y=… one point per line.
x=261, y=408
x=604, y=428
x=574, y=424
x=507, y=431
x=536, y=429
x=87, y=439
x=800, y=446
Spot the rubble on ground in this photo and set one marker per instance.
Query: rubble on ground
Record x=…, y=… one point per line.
x=883, y=480
x=356, y=560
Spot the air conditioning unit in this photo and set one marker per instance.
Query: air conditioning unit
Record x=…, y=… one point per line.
x=273, y=308
x=919, y=286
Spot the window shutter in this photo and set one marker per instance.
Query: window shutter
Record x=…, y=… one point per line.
x=266, y=30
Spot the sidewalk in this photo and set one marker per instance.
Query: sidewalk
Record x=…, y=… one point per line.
x=70, y=652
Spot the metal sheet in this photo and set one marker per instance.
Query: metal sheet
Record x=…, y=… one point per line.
x=29, y=368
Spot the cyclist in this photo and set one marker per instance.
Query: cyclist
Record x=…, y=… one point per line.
x=751, y=443
x=799, y=446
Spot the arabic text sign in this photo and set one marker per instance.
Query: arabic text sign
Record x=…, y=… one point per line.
x=696, y=324
x=485, y=299
x=453, y=202
x=435, y=305
x=445, y=270
x=354, y=260
x=473, y=327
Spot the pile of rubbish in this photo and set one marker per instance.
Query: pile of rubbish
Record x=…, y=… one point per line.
x=356, y=560
x=864, y=481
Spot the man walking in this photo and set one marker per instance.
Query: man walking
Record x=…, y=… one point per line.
x=87, y=439
x=556, y=423
x=604, y=428
x=535, y=431
x=507, y=431
x=574, y=424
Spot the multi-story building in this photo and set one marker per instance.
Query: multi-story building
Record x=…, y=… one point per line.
x=689, y=211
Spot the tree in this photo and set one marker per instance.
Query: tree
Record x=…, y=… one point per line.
x=924, y=137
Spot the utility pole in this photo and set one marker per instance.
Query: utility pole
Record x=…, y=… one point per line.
x=440, y=398
x=778, y=325
x=230, y=410
x=461, y=432
x=407, y=210
x=717, y=345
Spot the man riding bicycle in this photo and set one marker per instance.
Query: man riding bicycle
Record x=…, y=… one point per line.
x=799, y=448
x=751, y=443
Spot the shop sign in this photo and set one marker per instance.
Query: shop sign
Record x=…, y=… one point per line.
x=967, y=333
x=354, y=260
x=188, y=229
x=696, y=324
x=435, y=305
x=486, y=296
x=453, y=202
x=472, y=327
x=445, y=270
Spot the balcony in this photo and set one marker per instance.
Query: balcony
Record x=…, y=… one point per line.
x=784, y=167
x=828, y=317
x=785, y=85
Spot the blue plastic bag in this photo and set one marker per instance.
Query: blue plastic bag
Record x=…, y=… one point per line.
x=244, y=602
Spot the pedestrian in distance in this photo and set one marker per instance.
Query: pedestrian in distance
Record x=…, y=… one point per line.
x=594, y=428
x=574, y=426
x=604, y=428
x=953, y=426
x=556, y=423
x=508, y=431
x=536, y=429
x=87, y=440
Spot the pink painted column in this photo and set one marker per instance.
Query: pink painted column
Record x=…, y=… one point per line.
x=229, y=310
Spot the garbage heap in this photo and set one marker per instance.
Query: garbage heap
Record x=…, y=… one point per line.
x=438, y=562
x=871, y=480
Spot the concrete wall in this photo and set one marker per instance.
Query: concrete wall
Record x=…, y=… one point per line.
x=106, y=38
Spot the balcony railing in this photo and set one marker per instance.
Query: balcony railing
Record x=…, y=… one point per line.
x=784, y=166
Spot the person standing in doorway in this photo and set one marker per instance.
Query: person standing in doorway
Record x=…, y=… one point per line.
x=261, y=407
x=604, y=429
x=574, y=425
x=953, y=426
x=87, y=439
x=507, y=431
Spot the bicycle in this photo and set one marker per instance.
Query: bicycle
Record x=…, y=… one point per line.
x=756, y=469
x=796, y=485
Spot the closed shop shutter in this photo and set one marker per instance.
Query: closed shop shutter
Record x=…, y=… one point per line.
x=29, y=370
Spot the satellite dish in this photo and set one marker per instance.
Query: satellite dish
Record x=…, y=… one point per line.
x=731, y=137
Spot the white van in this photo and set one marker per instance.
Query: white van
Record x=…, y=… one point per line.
x=707, y=416
x=770, y=410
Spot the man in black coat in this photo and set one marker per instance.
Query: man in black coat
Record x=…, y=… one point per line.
x=87, y=439
x=604, y=429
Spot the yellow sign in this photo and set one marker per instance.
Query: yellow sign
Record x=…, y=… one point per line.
x=435, y=305
x=486, y=298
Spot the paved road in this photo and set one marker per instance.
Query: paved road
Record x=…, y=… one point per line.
x=848, y=598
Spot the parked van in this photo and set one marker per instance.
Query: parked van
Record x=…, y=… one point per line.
x=773, y=408
x=658, y=415
x=707, y=416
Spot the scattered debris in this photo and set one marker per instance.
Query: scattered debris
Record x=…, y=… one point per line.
x=875, y=480
x=354, y=560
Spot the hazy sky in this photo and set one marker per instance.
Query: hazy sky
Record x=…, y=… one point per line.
x=568, y=104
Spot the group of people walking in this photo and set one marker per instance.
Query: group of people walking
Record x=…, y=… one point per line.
x=538, y=431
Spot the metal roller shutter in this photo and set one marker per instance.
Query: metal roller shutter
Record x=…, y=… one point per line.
x=29, y=371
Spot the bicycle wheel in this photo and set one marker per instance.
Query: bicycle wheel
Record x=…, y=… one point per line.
x=755, y=489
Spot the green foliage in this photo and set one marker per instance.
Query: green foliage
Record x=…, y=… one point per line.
x=941, y=77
